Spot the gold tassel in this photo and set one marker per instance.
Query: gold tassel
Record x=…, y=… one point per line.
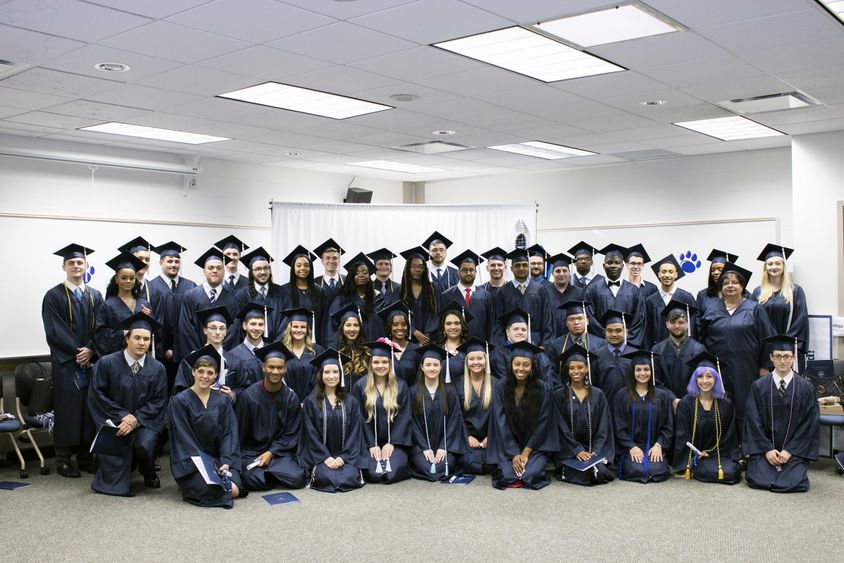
x=720, y=473
x=688, y=473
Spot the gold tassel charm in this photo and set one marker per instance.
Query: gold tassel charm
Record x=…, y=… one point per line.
x=720, y=473
x=688, y=473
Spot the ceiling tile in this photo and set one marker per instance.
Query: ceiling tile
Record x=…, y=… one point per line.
x=659, y=50
x=248, y=114
x=29, y=47
x=55, y=82
x=52, y=120
x=175, y=42
x=716, y=12
x=25, y=99
x=265, y=63
x=417, y=65
x=71, y=19
x=151, y=8
x=533, y=11
x=783, y=29
x=342, y=80
x=346, y=10
x=97, y=110
x=199, y=80
x=144, y=97
x=342, y=43
x=8, y=111
x=82, y=61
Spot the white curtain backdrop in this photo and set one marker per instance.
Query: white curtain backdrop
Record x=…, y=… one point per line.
x=365, y=227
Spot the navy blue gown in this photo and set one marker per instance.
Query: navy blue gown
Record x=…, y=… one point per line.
x=108, y=336
x=628, y=300
x=434, y=430
x=476, y=420
x=396, y=432
x=235, y=377
x=576, y=420
x=300, y=373
x=406, y=367
x=791, y=319
x=705, y=439
x=480, y=308
x=656, y=330
x=671, y=362
x=189, y=335
x=642, y=423
x=535, y=302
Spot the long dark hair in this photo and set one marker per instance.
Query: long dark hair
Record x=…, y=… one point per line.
x=439, y=336
x=348, y=291
x=339, y=391
x=524, y=421
x=316, y=294
x=355, y=350
x=251, y=285
x=422, y=390
x=631, y=385
x=113, y=289
x=428, y=297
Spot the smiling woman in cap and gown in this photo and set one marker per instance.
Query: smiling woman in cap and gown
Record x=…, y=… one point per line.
x=474, y=391
x=396, y=317
x=359, y=291
x=298, y=338
x=301, y=291
x=419, y=295
x=123, y=299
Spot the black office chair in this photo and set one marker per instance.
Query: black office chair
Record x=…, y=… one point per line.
x=34, y=400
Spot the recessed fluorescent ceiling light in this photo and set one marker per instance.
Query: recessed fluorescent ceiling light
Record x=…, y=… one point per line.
x=529, y=53
x=154, y=133
x=773, y=102
x=834, y=6
x=304, y=100
x=730, y=128
x=395, y=166
x=611, y=25
x=548, y=151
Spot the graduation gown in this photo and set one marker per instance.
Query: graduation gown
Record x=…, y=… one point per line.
x=115, y=393
x=705, y=439
x=240, y=281
x=406, y=366
x=269, y=423
x=456, y=365
x=499, y=365
x=166, y=305
x=235, y=377
x=422, y=318
x=448, y=278
x=329, y=292
x=373, y=327
x=396, y=432
x=503, y=444
x=476, y=421
x=655, y=322
x=300, y=373
x=555, y=350
x=642, y=423
x=609, y=374
x=342, y=428
x=737, y=341
x=272, y=300
x=480, y=308
x=251, y=367
x=627, y=300
x=211, y=429
x=430, y=434
x=315, y=301
x=557, y=298
x=704, y=300
x=646, y=289
x=189, y=335
x=575, y=422
x=389, y=291
x=672, y=370
x=801, y=441
x=108, y=337
x=791, y=319
x=535, y=303
x=73, y=424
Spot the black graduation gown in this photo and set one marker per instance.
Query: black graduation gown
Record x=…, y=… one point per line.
x=108, y=337
x=273, y=300
x=343, y=438
x=499, y=365
x=240, y=281
x=642, y=423
x=704, y=300
x=448, y=278
x=802, y=439
x=373, y=327
x=706, y=469
x=672, y=370
x=555, y=349
x=555, y=299
x=476, y=420
x=396, y=432
x=390, y=291
x=115, y=393
x=329, y=292
x=779, y=312
x=456, y=365
x=430, y=434
x=406, y=367
x=737, y=341
x=316, y=302
x=211, y=429
x=480, y=308
x=269, y=423
x=300, y=373
x=628, y=300
x=422, y=318
x=251, y=367
x=575, y=421
x=646, y=289
x=166, y=305
x=236, y=377
x=73, y=424
x=189, y=335
x=503, y=444
x=535, y=303
x=655, y=322
x=609, y=374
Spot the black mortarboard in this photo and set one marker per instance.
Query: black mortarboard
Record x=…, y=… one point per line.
x=430, y=351
x=231, y=241
x=390, y=311
x=578, y=353
x=561, y=259
x=169, y=249
x=381, y=254
x=360, y=258
x=210, y=254
x=457, y=308
x=782, y=342
x=523, y=349
x=219, y=314
x=538, y=250
x=612, y=316
x=253, y=310
x=296, y=253
x=475, y=344
x=140, y=320
x=436, y=237
x=415, y=252
x=330, y=356
x=582, y=248
x=668, y=260
x=772, y=250
x=496, y=253
x=380, y=349
x=640, y=357
x=721, y=256
x=518, y=255
x=350, y=310
x=637, y=250
x=127, y=261
x=258, y=254
x=466, y=256
x=74, y=251
x=299, y=314
x=613, y=249
x=705, y=359
x=274, y=350
x=206, y=351
x=512, y=316
x=674, y=305
x=137, y=244
x=731, y=267
x=574, y=306
x=330, y=244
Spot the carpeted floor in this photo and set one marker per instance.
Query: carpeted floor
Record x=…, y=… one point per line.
x=58, y=519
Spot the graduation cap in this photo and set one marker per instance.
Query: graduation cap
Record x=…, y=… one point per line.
x=721, y=256
x=381, y=254
x=140, y=320
x=256, y=255
x=561, y=259
x=296, y=253
x=518, y=255
x=302, y=315
x=613, y=249
x=523, y=349
x=475, y=344
x=274, y=350
x=683, y=308
x=731, y=267
x=772, y=250
x=332, y=357
x=393, y=309
x=705, y=359
x=169, y=249
x=668, y=260
x=431, y=351
x=577, y=353
x=612, y=316
x=538, y=250
x=231, y=241
x=359, y=259
x=73, y=250
x=137, y=244
x=415, y=252
x=513, y=316
x=496, y=253
x=784, y=343
x=458, y=309
x=124, y=260
x=466, y=256
x=574, y=306
x=211, y=254
x=436, y=237
x=218, y=314
x=207, y=352
x=582, y=248
x=637, y=250
x=350, y=310
x=642, y=358
x=253, y=310
x=330, y=244
x=380, y=348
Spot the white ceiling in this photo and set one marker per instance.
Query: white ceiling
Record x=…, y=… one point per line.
x=183, y=53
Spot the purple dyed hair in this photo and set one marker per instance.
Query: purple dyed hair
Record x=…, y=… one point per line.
x=717, y=390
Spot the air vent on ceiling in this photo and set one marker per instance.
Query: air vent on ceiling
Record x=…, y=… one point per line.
x=651, y=154
x=433, y=147
x=8, y=68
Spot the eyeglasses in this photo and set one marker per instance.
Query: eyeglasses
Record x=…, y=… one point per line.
x=782, y=357
x=261, y=269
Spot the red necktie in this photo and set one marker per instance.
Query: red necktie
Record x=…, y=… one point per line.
x=468, y=296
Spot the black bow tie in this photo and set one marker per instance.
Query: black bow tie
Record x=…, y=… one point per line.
x=613, y=283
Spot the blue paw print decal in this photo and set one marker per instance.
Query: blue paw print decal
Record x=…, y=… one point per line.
x=689, y=261
x=89, y=273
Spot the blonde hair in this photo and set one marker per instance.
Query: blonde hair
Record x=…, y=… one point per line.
x=767, y=290
x=391, y=394
x=287, y=338
x=486, y=387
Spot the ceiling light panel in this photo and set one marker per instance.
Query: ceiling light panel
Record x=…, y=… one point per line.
x=128, y=130
x=304, y=100
x=836, y=7
x=523, y=51
x=773, y=102
x=611, y=25
x=539, y=149
x=730, y=128
x=395, y=166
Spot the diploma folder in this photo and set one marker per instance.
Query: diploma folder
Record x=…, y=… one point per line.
x=107, y=442
x=578, y=465
x=205, y=465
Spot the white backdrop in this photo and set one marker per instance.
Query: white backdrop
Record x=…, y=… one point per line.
x=366, y=227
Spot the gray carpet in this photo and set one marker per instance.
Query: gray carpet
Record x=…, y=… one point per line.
x=58, y=519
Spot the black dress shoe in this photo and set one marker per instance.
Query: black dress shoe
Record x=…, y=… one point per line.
x=156, y=467
x=154, y=483
x=67, y=470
